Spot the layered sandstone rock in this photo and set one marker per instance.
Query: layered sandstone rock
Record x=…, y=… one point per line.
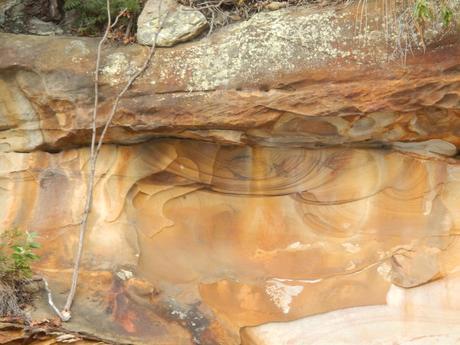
x=305, y=189
x=193, y=240
x=298, y=77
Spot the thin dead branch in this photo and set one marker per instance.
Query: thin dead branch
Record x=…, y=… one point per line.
x=65, y=314
x=128, y=85
x=50, y=299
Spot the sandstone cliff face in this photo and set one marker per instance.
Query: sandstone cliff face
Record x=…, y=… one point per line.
x=285, y=77
x=270, y=173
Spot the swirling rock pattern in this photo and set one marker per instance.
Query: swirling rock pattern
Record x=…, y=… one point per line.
x=191, y=242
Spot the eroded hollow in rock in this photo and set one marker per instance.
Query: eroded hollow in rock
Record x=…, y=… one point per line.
x=194, y=240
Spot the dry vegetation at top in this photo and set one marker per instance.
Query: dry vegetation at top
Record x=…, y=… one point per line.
x=403, y=18
x=223, y=12
x=415, y=12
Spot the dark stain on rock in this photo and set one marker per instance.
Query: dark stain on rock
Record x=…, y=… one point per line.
x=134, y=319
x=191, y=318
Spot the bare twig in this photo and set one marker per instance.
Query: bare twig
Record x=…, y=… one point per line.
x=129, y=27
x=89, y=192
x=130, y=82
x=65, y=314
x=117, y=18
x=50, y=299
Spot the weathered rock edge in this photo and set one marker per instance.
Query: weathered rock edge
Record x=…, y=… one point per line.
x=301, y=77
